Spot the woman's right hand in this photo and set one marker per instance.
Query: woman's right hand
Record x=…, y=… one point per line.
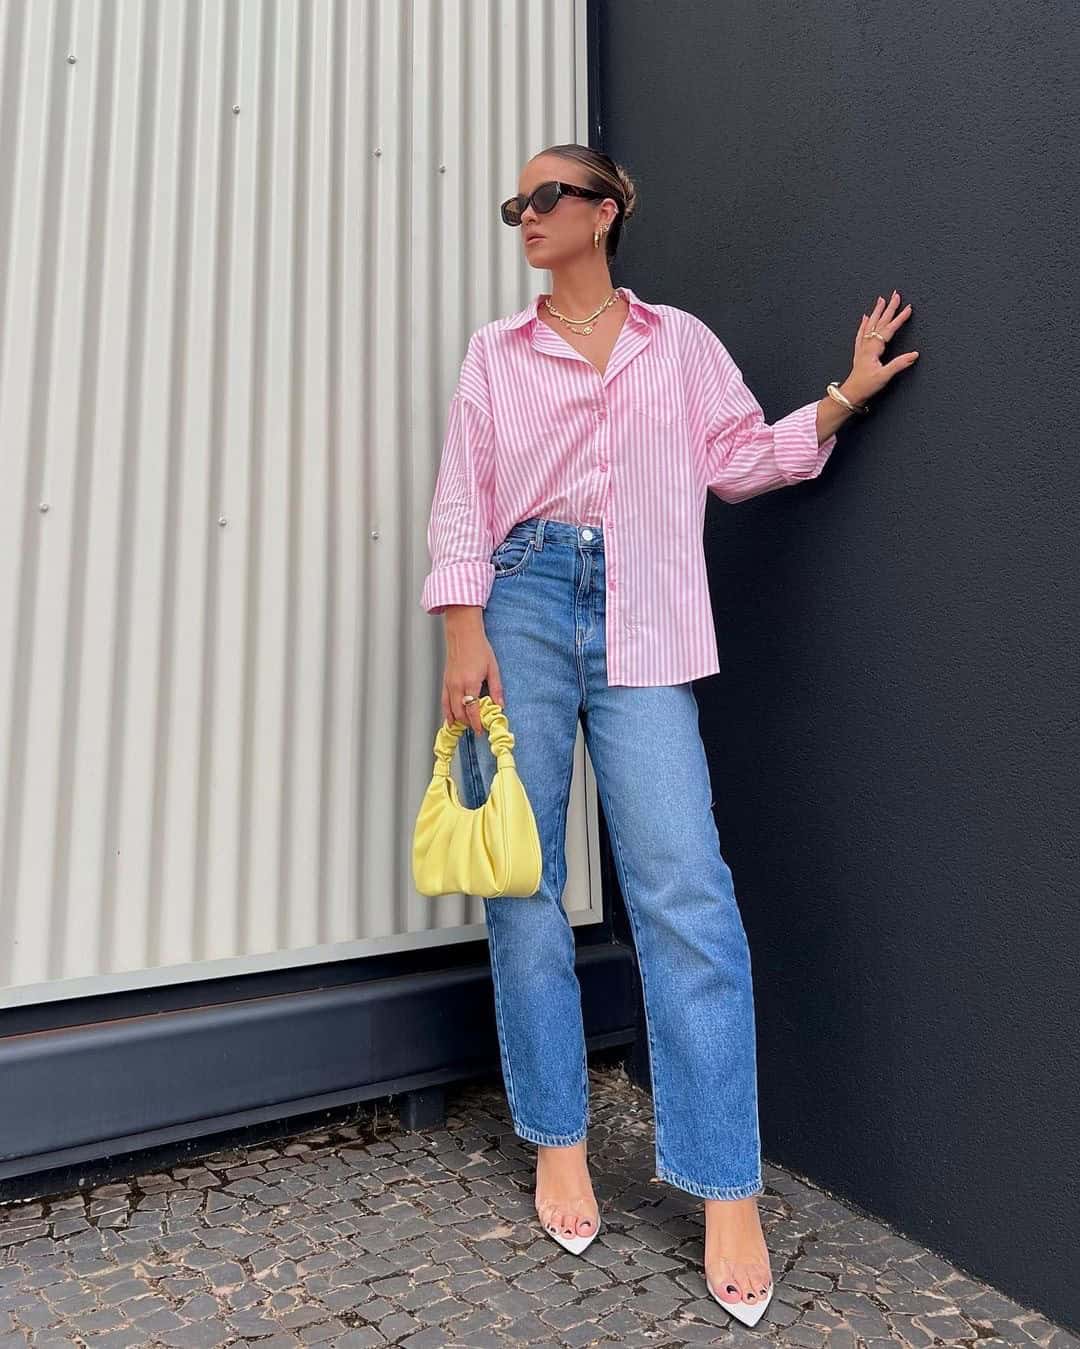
x=469, y=662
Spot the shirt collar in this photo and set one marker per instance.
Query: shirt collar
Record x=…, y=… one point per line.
x=530, y=314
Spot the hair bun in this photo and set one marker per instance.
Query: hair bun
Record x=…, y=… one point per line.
x=629, y=191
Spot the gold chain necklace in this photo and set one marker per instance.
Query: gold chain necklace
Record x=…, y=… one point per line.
x=590, y=321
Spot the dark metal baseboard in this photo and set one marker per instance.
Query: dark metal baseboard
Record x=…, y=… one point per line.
x=79, y=1094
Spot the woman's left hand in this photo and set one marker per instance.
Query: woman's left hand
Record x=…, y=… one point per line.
x=869, y=374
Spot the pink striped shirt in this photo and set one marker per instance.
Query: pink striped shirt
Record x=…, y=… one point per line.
x=535, y=429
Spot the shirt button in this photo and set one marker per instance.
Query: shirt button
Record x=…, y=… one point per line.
x=612, y=583
x=601, y=413
x=603, y=465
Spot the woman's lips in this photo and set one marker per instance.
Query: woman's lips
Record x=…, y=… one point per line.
x=532, y=239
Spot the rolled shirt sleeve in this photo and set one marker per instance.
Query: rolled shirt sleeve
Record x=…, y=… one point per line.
x=744, y=456
x=459, y=536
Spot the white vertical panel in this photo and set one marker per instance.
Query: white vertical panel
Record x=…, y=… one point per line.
x=242, y=246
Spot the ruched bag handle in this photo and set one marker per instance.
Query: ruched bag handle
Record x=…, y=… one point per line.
x=500, y=737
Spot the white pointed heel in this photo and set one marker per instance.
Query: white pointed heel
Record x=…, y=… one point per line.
x=575, y=1245
x=749, y=1313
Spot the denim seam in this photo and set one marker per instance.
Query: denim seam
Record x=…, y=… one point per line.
x=511, y=1094
x=585, y=1080
x=473, y=760
x=703, y=1191
x=548, y=1140
x=564, y=803
x=591, y=628
x=564, y=800
x=532, y=1135
x=625, y=881
x=583, y=685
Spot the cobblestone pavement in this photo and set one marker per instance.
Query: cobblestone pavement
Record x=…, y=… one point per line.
x=363, y=1234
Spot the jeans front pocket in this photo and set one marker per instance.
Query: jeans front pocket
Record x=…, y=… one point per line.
x=512, y=555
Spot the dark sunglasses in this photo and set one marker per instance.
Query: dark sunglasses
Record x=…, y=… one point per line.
x=543, y=199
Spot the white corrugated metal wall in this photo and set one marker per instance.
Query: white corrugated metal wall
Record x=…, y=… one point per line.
x=242, y=246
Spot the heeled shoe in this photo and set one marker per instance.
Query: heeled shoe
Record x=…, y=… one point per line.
x=575, y=1245
x=749, y=1313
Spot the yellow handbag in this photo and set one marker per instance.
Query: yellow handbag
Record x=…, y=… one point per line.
x=494, y=850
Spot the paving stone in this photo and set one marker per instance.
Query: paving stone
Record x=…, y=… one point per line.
x=946, y=1327
x=199, y=1335
x=907, y=1332
x=361, y=1235
x=123, y=1338
x=810, y=1337
x=94, y=1322
x=432, y=1338
x=321, y=1332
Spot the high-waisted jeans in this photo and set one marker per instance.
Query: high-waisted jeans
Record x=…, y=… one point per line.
x=545, y=622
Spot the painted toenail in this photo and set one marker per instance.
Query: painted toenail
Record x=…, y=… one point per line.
x=731, y=1288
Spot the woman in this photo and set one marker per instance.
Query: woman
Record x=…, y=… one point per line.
x=567, y=559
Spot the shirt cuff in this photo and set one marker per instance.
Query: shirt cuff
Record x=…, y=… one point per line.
x=798, y=454
x=457, y=583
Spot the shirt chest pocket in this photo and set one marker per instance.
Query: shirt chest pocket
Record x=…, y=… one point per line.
x=654, y=391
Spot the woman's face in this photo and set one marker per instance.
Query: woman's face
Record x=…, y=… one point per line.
x=566, y=232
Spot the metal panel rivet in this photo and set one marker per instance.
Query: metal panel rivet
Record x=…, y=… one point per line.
x=43, y=507
x=374, y=533
x=236, y=107
x=71, y=60
x=223, y=519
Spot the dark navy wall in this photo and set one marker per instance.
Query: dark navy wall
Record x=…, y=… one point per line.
x=893, y=734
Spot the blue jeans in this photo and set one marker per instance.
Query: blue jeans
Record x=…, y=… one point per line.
x=545, y=623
